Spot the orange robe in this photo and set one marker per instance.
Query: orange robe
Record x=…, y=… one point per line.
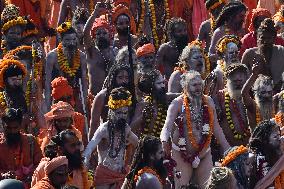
x=251, y=4
x=80, y=179
x=39, y=172
x=182, y=9
x=43, y=184
x=22, y=159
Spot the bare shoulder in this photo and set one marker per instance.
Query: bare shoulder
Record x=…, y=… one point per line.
x=176, y=75
x=164, y=47
x=177, y=102
x=210, y=101
x=250, y=51
x=52, y=53
x=101, y=95
x=148, y=180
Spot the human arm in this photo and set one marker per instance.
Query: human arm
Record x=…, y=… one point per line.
x=132, y=138
x=97, y=108
x=217, y=131
x=137, y=119
x=172, y=114
x=202, y=31
x=174, y=85
x=160, y=59
x=50, y=61
x=215, y=38
x=63, y=11
x=84, y=76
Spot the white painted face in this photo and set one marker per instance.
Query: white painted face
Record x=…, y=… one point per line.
x=196, y=61
x=120, y=113
x=231, y=53
x=195, y=87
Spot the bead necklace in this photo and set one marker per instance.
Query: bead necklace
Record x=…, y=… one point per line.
x=114, y=151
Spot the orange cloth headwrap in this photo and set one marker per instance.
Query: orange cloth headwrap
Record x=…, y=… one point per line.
x=145, y=49
x=121, y=9
x=55, y=163
x=258, y=12
x=100, y=23
x=60, y=88
x=59, y=110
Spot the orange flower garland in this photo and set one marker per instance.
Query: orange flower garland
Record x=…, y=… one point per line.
x=15, y=51
x=63, y=62
x=233, y=155
x=3, y=103
x=148, y=170
x=188, y=123
x=279, y=181
x=85, y=179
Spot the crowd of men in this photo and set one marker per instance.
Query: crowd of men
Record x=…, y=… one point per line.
x=158, y=94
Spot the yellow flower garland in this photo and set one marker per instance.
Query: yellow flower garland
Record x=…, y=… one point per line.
x=3, y=101
x=116, y=104
x=30, y=32
x=222, y=45
x=63, y=62
x=212, y=25
x=157, y=41
x=64, y=27
x=215, y=5
x=142, y=18
x=14, y=22
x=233, y=155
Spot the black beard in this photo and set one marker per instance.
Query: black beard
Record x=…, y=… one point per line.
x=160, y=96
x=75, y=160
x=160, y=168
x=125, y=85
x=181, y=42
x=13, y=138
x=16, y=97
x=103, y=43
x=13, y=44
x=122, y=32
x=120, y=124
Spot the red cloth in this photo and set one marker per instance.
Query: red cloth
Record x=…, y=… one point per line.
x=99, y=23
x=105, y=176
x=60, y=88
x=43, y=184
x=199, y=15
x=249, y=41
x=145, y=49
x=256, y=13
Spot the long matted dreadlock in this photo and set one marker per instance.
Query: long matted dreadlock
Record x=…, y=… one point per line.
x=147, y=146
x=147, y=85
x=110, y=83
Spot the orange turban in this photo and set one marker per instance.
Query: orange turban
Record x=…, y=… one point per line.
x=256, y=13
x=59, y=110
x=121, y=9
x=60, y=88
x=55, y=163
x=145, y=49
x=100, y=23
x=124, y=2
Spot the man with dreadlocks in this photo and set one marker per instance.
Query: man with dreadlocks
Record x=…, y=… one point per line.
x=80, y=17
x=268, y=55
x=261, y=107
x=12, y=26
x=147, y=169
x=119, y=75
x=265, y=142
x=192, y=57
x=67, y=61
x=227, y=50
x=110, y=139
x=150, y=113
x=168, y=53
x=191, y=135
x=229, y=22
x=100, y=54
x=230, y=108
x=207, y=27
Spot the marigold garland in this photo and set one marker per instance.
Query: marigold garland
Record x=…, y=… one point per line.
x=229, y=118
x=279, y=119
x=5, y=64
x=158, y=41
x=63, y=62
x=142, y=18
x=3, y=47
x=10, y=54
x=14, y=22
x=215, y=5
x=30, y=32
x=85, y=179
x=221, y=47
x=150, y=171
x=279, y=181
x=64, y=27
x=148, y=117
x=212, y=25
x=116, y=104
x=3, y=102
x=192, y=139
x=91, y=6
x=233, y=155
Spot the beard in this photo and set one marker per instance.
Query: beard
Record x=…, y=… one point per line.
x=75, y=160
x=181, y=42
x=13, y=138
x=160, y=168
x=265, y=106
x=16, y=97
x=125, y=85
x=120, y=124
x=122, y=31
x=102, y=43
x=160, y=95
x=234, y=91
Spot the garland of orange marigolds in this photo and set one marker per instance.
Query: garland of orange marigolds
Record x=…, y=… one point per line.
x=63, y=62
x=233, y=155
x=148, y=170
